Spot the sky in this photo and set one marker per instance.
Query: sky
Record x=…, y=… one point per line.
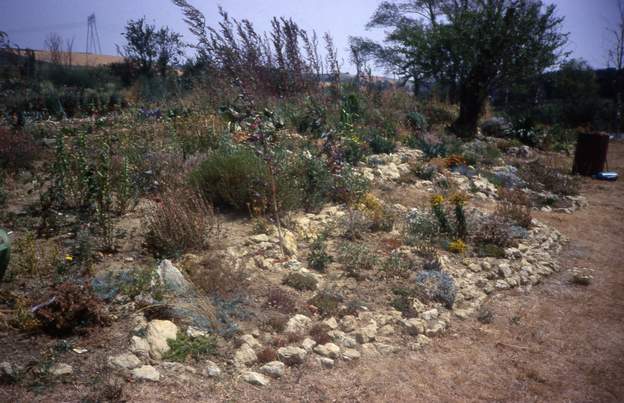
x=29, y=21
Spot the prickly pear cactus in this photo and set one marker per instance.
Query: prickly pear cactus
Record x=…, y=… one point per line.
x=5, y=252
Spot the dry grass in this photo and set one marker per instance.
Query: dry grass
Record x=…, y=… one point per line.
x=180, y=221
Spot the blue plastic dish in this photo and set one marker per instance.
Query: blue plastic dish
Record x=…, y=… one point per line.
x=606, y=176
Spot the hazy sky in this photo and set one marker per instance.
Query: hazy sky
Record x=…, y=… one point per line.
x=29, y=21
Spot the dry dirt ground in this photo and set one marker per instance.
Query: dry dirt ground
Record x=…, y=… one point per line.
x=559, y=343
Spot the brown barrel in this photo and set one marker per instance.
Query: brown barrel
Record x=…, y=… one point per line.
x=591, y=153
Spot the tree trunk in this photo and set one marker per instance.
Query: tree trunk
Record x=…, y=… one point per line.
x=471, y=106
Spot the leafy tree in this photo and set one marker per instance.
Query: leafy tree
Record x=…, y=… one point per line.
x=469, y=46
x=149, y=49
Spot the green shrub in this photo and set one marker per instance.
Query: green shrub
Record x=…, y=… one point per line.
x=379, y=144
x=183, y=347
x=327, y=302
x=304, y=181
x=356, y=258
x=490, y=250
x=417, y=121
x=234, y=178
x=319, y=258
x=354, y=150
x=300, y=281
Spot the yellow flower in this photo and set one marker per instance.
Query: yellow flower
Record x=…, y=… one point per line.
x=437, y=200
x=457, y=246
x=69, y=258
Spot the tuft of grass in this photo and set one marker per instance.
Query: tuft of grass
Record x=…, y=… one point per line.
x=184, y=347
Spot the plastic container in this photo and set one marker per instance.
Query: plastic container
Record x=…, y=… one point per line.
x=606, y=176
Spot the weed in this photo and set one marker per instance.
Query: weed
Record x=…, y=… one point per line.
x=183, y=347
x=437, y=286
x=280, y=300
x=490, y=250
x=33, y=258
x=217, y=280
x=275, y=323
x=493, y=230
x=267, y=354
x=319, y=333
x=327, y=302
x=397, y=265
x=420, y=227
x=299, y=281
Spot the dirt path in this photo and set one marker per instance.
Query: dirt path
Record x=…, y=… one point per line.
x=560, y=342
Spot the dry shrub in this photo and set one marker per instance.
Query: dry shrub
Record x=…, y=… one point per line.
x=515, y=207
x=299, y=281
x=70, y=308
x=275, y=323
x=219, y=281
x=268, y=354
x=293, y=337
x=319, y=333
x=280, y=300
x=494, y=230
x=279, y=340
x=547, y=175
x=327, y=303
x=179, y=222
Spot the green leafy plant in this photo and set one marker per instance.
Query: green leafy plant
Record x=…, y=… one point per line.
x=356, y=259
x=183, y=347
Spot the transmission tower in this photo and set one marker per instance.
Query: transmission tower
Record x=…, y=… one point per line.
x=93, y=38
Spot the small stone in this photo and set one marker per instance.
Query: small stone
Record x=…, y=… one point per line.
x=501, y=285
x=7, y=372
x=581, y=276
x=126, y=361
x=290, y=243
x=328, y=350
x=418, y=306
x=255, y=378
x=474, y=267
x=291, y=355
x=139, y=345
x=61, y=369
x=138, y=324
x=274, y=369
x=366, y=334
x=259, y=238
x=348, y=323
x=298, y=324
x=436, y=328
x=308, y=344
x=251, y=341
x=351, y=354
x=244, y=356
x=173, y=279
x=331, y=323
x=158, y=332
x=348, y=342
x=413, y=326
x=386, y=330
x=211, y=370
x=504, y=270
x=385, y=348
x=194, y=332
x=369, y=350
x=486, y=266
x=326, y=362
x=430, y=314
x=147, y=373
